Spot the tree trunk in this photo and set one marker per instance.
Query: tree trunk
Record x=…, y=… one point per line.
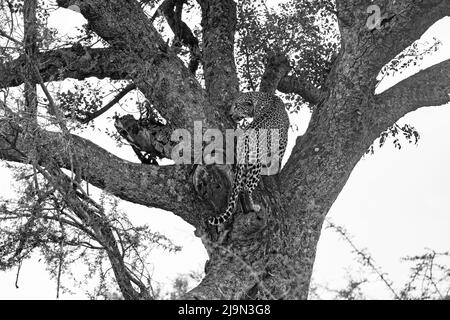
x=264, y=255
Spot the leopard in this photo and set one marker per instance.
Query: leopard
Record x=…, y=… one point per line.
x=269, y=114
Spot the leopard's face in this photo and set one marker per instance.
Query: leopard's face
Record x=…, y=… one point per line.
x=242, y=107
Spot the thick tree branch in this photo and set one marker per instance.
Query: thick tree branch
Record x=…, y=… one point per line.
x=76, y=62
x=275, y=78
x=401, y=23
x=30, y=34
x=167, y=84
x=219, y=25
x=161, y=187
x=409, y=21
x=162, y=77
x=158, y=73
x=294, y=84
x=430, y=87
x=172, y=11
x=277, y=67
x=343, y=127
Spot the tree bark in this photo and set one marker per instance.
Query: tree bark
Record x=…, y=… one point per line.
x=269, y=254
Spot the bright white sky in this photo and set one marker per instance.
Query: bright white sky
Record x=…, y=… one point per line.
x=396, y=203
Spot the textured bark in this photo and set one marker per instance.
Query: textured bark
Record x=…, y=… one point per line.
x=77, y=62
x=430, y=87
x=172, y=10
x=294, y=84
x=29, y=41
x=156, y=70
x=269, y=254
x=219, y=23
x=161, y=187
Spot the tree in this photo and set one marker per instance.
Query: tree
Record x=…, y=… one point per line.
x=324, y=54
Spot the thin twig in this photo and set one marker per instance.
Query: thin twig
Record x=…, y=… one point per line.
x=91, y=116
x=367, y=258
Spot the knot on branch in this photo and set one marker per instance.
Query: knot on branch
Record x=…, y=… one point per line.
x=212, y=184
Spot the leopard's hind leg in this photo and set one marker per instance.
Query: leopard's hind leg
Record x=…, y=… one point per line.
x=251, y=180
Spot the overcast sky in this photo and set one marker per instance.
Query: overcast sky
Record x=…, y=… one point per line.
x=396, y=202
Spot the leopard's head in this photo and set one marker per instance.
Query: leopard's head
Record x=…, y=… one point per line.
x=243, y=107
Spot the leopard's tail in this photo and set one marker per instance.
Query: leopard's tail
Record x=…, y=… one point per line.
x=215, y=221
